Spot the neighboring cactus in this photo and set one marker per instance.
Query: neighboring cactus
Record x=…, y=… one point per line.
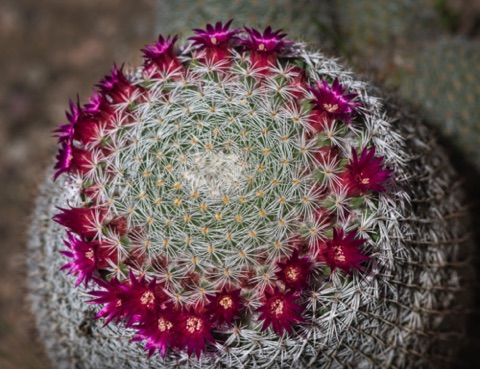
x=245, y=203
x=442, y=78
x=408, y=46
x=300, y=17
x=370, y=27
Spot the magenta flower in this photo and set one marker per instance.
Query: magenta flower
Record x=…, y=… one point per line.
x=161, y=56
x=83, y=258
x=96, y=101
x=113, y=296
x=65, y=131
x=294, y=272
x=86, y=222
x=99, y=107
x=193, y=331
x=280, y=311
x=264, y=47
x=365, y=173
x=225, y=305
x=87, y=257
x=64, y=158
x=342, y=251
x=158, y=330
x=215, y=40
x=65, y=138
x=331, y=103
x=117, y=86
x=142, y=298
x=267, y=42
x=83, y=127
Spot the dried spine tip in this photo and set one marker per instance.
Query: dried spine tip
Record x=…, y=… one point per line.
x=216, y=193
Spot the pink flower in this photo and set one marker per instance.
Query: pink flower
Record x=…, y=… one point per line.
x=80, y=126
x=142, y=298
x=113, y=296
x=294, y=272
x=117, y=86
x=83, y=127
x=343, y=251
x=224, y=305
x=161, y=56
x=158, y=330
x=280, y=311
x=87, y=257
x=65, y=131
x=64, y=158
x=99, y=107
x=365, y=173
x=86, y=222
x=83, y=258
x=331, y=103
x=65, y=138
x=264, y=47
x=215, y=40
x=193, y=331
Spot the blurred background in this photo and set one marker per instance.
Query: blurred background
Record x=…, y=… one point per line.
x=426, y=51
x=50, y=50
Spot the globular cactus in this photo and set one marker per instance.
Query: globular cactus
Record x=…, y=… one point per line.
x=240, y=202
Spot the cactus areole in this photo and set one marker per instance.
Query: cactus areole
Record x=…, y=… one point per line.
x=227, y=197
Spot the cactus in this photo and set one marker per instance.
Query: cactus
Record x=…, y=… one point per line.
x=299, y=17
x=442, y=76
x=409, y=47
x=371, y=29
x=243, y=202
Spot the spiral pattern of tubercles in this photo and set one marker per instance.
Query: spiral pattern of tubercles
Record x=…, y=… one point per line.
x=217, y=189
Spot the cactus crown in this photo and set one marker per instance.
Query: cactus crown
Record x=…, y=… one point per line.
x=219, y=191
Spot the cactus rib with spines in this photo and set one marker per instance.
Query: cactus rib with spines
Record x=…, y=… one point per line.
x=189, y=170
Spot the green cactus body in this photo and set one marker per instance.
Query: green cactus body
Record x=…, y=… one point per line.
x=408, y=45
x=217, y=168
x=371, y=28
x=298, y=17
x=440, y=79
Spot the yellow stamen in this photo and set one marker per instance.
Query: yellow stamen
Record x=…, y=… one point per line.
x=226, y=302
x=194, y=324
x=164, y=325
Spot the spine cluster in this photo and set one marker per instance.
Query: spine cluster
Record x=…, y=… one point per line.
x=219, y=191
